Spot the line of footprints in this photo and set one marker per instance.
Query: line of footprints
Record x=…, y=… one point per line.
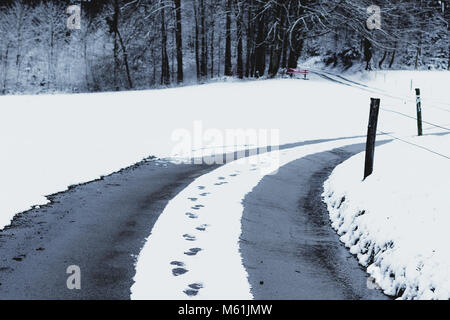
x=179, y=268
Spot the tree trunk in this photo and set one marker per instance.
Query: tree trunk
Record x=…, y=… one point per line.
x=295, y=38
x=418, y=52
x=380, y=64
x=116, y=46
x=125, y=60
x=197, y=54
x=228, y=67
x=165, y=69
x=219, y=54
x=204, y=50
x=367, y=53
x=211, y=48
x=277, y=44
x=5, y=68
x=240, y=64
x=260, y=51
x=448, y=67
x=86, y=61
x=250, y=35
x=285, y=50
x=392, y=59
x=179, y=41
x=51, y=57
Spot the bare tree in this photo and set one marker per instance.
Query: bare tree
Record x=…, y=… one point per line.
x=228, y=67
x=179, y=41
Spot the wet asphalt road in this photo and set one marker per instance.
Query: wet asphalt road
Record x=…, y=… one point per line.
x=289, y=249
x=101, y=227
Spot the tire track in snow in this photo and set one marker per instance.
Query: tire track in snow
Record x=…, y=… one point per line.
x=193, y=250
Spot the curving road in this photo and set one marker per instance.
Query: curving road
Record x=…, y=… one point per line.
x=289, y=248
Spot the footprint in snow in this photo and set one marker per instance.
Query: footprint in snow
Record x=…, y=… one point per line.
x=196, y=286
x=19, y=257
x=193, y=199
x=202, y=227
x=189, y=237
x=221, y=178
x=204, y=194
x=233, y=175
x=190, y=292
x=220, y=183
x=193, y=289
x=197, y=207
x=191, y=215
x=179, y=271
x=201, y=187
x=177, y=263
x=193, y=251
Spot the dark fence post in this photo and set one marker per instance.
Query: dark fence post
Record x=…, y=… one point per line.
x=371, y=136
x=419, y=112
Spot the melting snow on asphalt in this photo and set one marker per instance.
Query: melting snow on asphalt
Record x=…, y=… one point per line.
x=193, y=250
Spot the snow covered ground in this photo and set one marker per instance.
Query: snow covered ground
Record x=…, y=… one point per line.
x=49, y=142
x=396, y=221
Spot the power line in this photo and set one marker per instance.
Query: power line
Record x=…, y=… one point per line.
x=393, y=111
x=376, y=90
x=414, y=144
x=411, y=117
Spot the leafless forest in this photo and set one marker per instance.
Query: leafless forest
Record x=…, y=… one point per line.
x=139, y=44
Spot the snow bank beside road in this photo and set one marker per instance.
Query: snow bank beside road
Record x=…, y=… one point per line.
x=397, y=220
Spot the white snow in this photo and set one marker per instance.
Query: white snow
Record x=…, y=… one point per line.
x=217, y=268
x=49, y=142
x=396, y=220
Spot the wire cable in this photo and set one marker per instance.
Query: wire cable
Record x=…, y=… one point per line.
x=411, y=117
x=414, y=144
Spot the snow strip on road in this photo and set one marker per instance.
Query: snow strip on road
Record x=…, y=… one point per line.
x=397, y=220
x=193, y=250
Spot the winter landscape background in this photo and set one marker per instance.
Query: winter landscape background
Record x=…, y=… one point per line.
x=104, y=180
x=137, y=44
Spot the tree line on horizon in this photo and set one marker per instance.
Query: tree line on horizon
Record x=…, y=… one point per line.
x=139, y=44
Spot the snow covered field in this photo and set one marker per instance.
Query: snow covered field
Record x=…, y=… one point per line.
x=50, y=142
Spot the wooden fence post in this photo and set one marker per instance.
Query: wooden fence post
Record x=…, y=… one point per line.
x=371, y=136
x=419, y=112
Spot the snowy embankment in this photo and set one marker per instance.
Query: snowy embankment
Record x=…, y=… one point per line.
x=397, y=220
x=50, y=142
